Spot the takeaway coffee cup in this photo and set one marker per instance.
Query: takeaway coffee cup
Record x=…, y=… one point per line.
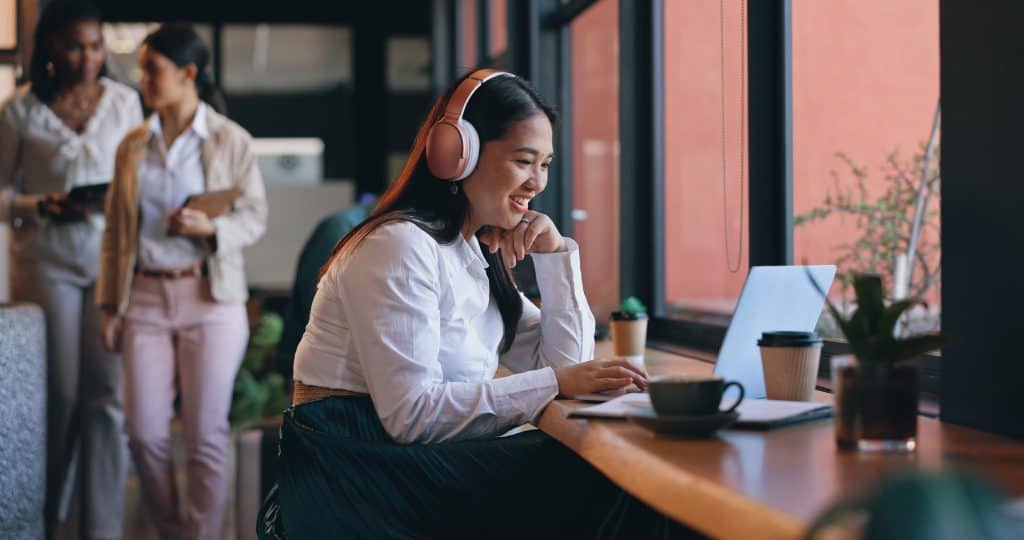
x=629, y=336
x=790, y=364
x=690, y=395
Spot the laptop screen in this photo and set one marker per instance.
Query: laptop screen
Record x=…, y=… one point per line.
x=773, y=298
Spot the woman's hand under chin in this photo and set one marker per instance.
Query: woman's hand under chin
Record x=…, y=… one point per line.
x=535, y=233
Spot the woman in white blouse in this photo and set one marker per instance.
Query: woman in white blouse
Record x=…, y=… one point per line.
x=396, y=427
x=59, y=132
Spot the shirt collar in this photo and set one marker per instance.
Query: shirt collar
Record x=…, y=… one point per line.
x=470, y=252
x=199, y=125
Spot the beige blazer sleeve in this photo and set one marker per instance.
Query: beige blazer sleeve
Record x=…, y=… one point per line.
x=246, y=222
x=119, y=215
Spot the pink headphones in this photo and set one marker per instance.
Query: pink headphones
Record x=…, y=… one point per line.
x=453, y=145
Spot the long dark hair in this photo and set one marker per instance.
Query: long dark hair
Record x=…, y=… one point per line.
x=425, y=200
x=182, y=45
x=56, y=18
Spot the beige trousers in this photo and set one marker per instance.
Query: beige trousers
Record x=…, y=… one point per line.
x=175, y=331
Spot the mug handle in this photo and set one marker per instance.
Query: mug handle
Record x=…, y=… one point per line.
x=738, y=400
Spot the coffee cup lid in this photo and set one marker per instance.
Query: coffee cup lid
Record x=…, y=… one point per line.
x=623, y=316
x=787, y=338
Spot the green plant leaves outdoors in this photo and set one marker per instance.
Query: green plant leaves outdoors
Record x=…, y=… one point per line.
x=871, y=329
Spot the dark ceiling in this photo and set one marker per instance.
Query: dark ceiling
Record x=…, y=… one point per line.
x=398, y=16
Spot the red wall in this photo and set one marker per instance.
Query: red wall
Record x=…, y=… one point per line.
x=865, y=81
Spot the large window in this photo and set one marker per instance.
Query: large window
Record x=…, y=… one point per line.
x=498, y=27
x=467, y=57
x=865, y=97
x=705, y=197
x=595, y=152
x=8, y=24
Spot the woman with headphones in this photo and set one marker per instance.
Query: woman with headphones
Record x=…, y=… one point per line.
x=172, y=280
x=398, y=422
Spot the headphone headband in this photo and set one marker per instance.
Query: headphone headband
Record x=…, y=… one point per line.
x=453, y=145
x=460, y=97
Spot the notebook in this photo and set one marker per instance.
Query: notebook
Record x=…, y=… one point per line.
x=754, y=413
x=213, y=203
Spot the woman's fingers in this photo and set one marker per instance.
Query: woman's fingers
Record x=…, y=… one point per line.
x=619, y=372
x=532, y=232
x=611, y=383
x=492, y=238
x=519, y=239
x=622, y=362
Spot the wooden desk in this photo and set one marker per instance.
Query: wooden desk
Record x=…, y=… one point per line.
x=746, y=484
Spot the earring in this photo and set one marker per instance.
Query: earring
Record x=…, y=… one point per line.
x=454, y=188
x=50, y=70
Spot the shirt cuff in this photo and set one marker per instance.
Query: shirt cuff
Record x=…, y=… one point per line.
x=527, y=393
x=559, y=278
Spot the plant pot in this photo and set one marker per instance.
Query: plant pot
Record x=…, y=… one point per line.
x=875, y=407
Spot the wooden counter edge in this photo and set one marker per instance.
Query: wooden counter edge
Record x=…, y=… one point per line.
x=687, y=498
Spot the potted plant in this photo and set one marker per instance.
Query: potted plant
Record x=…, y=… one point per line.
x=629, y=330
x=944, y=505
x=259, y=391
x=875, y=388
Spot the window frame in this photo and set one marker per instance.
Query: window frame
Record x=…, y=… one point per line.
x=539, y=34
x=770, y=180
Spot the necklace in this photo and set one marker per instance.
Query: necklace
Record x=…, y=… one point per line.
x=80, y=102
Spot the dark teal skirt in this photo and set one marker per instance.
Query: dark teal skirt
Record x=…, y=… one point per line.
x=341, y=476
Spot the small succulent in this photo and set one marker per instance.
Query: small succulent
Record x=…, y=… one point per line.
x=871, y=329
x=632, y=306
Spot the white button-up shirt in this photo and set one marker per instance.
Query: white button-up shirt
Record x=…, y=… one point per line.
x=40, y=154
x=412, y=323
x=167, y=176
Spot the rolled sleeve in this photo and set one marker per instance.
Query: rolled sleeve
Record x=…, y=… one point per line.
x=561, y=332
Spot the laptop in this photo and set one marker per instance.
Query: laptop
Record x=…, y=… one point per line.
x=773, y=298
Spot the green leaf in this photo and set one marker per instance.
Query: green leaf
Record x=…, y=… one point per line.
x=248, y=398
x=870, y=300
x=910, y=349
x=632, y=305
x=892, y=314
x=268, y=331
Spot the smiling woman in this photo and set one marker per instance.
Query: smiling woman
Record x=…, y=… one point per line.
x=396, y=370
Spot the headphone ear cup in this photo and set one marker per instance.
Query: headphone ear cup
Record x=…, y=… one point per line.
x=472, y=139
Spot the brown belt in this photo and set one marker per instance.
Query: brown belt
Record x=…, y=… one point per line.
x=304, y=393
x=173, y=273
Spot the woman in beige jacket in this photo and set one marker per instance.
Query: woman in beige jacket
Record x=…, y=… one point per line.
x=172, y=282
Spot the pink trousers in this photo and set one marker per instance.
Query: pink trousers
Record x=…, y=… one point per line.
x=175, y=331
